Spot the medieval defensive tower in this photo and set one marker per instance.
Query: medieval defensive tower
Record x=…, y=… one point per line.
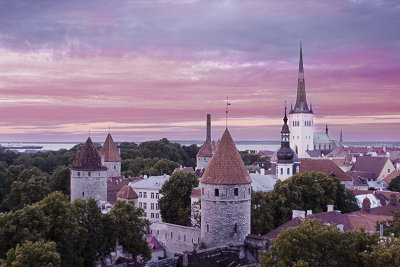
x=225, y=196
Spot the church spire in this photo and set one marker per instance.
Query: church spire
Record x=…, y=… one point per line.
x=301, y=101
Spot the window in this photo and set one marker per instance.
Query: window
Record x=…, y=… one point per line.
x=115, y=167
x=236, y=191
x=184, y=238
x=152, y=215
x=152, y=206
x=144, y=205
x=208, y=228
x=152, y=195
x=157, y=207
x=140, y=194
x=281, y=170
x=157, y=195
x=216, y=192
x=145, y=214
x=157, y=215
x=83, y=194
x=171, y=235
x=288, y=170
x=140, y=204
x=388, y=170
x=144, y=194
x=89, y=174
x=78, y=173
x=235, y=228
x=202, y=191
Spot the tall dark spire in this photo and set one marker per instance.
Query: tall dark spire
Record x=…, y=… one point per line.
x=301, y=101
x=326, y=128
x=208, y=132
x=285, y=154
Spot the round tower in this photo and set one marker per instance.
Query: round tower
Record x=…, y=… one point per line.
x=110, y=157
x=225, y=196
x=88, y=176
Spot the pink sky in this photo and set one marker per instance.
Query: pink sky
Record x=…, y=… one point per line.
x=68, y=68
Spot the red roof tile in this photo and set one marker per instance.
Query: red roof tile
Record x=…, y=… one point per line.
x=127, y=192
x=110, y=150
x=196, y=192
x=325, y=166
x=88, y=158
x=391, y=176
x=226, y=166
x=205, y=150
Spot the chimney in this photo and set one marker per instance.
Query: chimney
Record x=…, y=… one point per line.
x=298, y=213
x=208, y=136
x=262, y=171
x=329, y=208
x=309, y=212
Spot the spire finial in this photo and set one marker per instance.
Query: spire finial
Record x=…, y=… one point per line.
x=285, y=119
x=226, y=112
x=89, y=133
x=326, y=128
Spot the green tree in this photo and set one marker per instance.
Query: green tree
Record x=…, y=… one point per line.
x=316, y=244
x=391, y=227
x=394, y=185
x=127, y=226
x=165, y=166
x=28, y=254
x=386, y=253
x=175, y=202
x=261, y=218
x=60, y=180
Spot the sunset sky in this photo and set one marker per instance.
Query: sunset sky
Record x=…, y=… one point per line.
x=155, y=68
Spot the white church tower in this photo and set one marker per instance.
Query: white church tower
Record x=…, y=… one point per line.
x=301, y=118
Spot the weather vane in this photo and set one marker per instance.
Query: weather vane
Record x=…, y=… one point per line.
x=226, y=112
x=89, y=132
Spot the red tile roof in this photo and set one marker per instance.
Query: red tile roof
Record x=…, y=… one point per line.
x=368, y=164
x=127, y=192
x=110, y=150
x=114, y=184
x=196, y=192
x=88, y=158
x=391, y=176
x=367, y=221
x=325, y=166
x=226, y=166
x=205, y=150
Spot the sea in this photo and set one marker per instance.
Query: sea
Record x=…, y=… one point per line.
x=241, y=145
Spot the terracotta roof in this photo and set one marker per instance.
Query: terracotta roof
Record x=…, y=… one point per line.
x=205, y=150
x=114, y=184
x=226, y=166
x=184, y=169
x=366, y=220
x=333, y=217
x=368, y=164
x=88, y=158
x=325, y=166
x=110, y=150
x=127, y=192
x=196, y=192
x=391, y=176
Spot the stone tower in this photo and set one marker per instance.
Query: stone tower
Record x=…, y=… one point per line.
x=88, y=175
x=205, y=153
x=225, y=196
x=301, y=118
x=285, y=164
x=110, y=157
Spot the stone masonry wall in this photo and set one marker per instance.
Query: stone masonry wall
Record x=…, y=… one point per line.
x=113, y=168
x=219, y=214
x=175, y=238
x=84, y=186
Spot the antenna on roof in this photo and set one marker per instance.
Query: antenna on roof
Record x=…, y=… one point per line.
x=226, y=112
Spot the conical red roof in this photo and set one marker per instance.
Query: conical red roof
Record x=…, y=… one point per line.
x=205, y=150
x=226, y=166
x=110, y=150
x=88, y=158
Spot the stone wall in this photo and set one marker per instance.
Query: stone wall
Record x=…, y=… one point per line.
x=175, y=238
x=202, y=162
x=225, y=218
x=84, y=186
x=113, y=168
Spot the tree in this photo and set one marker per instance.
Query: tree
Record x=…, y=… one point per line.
x=303, y=191
x=60, y=180
x=394, y=185
x=386, y=253
x=391, y=227
x=165, y=166
x=175, y=202
x=128, y=228
x=316, y=244
x=34, y=254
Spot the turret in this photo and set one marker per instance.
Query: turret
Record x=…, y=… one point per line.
x=110, y=157
x=285, y=155
x=225, y=196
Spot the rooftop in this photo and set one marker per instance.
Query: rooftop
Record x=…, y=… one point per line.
x=88, y=158
x=325, y=166
x=110, y=150
x=127, y=192
x=152, y=182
